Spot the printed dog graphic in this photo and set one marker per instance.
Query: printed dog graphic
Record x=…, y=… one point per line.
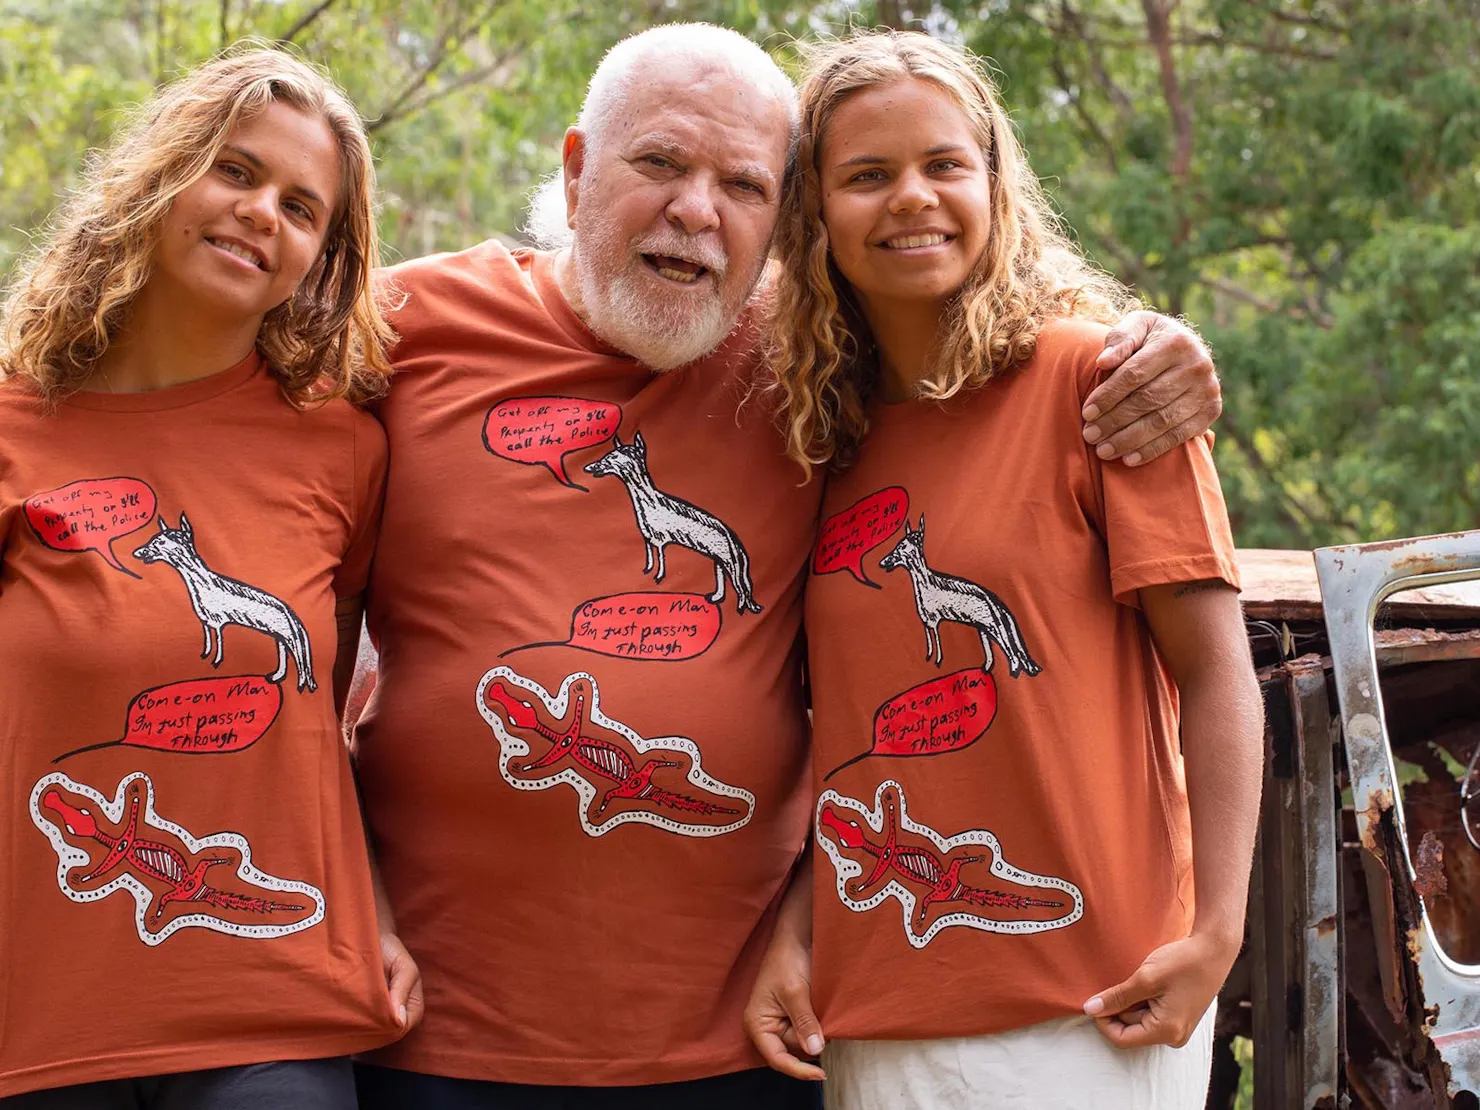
x=663, y=519
x=219, y=601
x=944, y=597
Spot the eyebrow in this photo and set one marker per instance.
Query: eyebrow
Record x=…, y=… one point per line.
x=666, y=144
x=256, y=163
x=879, y=159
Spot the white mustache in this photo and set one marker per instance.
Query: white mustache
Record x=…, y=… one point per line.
x=697, y=251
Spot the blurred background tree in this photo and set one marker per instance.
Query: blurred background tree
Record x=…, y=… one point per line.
x=1300, y=177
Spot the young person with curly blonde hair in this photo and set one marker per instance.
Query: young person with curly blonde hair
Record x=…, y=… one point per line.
x=1032, y=837
x=188, y=916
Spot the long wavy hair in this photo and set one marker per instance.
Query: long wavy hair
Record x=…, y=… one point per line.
x=74, y=291
x=822, y=353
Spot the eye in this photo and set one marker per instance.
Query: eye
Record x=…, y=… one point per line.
x=233, y=171
x=867, y=177
x=944, y=164
x=299, y=209
x=658, y=161
x=752, y=187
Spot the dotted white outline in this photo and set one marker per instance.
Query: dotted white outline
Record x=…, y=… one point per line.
x=847, y=869
x=70, y=856
x=511, y=746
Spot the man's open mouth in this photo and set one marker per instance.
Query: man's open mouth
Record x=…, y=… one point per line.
x=680, y=270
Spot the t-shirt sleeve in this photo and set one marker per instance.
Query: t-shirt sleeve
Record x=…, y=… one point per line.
x=1166, y=522
x=367, y=499
x=1162, y=522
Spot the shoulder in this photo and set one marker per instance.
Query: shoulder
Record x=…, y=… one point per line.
x=21, y=408
x=488, y=261
x=1067, y=350
x=486, y=271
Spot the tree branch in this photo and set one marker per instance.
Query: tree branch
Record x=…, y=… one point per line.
x=1301, y=516
x=1159, y=30
x=305, y=22
x=449, y=42
x=1264, y=304
x=1071, y=90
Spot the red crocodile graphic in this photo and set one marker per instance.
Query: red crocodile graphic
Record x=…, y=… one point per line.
x=599, y=757
x=916, y=865
x=154, y=860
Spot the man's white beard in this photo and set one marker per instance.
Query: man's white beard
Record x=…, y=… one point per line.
x=622, y=311
x=659, y=337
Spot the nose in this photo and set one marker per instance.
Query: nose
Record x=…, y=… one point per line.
x=692, y=207
x=259, y=208
x=913, y=193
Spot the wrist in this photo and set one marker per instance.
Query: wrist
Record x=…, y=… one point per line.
x=1226, y=935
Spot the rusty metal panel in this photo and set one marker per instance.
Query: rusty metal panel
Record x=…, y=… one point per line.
x=1434, y=992
x=1295, y=906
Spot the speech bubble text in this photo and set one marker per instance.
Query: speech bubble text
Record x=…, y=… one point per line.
x=944, y=714
x=651, y=625
x=848, y=536
x=89, y=515
x=541, y=431
x=200, y=716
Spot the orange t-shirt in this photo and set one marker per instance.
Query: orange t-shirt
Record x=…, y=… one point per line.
x=1001, y=819
x=185, y=883
x=584, y=770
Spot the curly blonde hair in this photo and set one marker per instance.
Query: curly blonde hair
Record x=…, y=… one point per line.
x=822, y=354
x=74, y=291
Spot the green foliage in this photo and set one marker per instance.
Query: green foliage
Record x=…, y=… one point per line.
x=1300, y=177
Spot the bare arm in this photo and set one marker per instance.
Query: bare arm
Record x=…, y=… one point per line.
x=403, y=977
x=1164, y=390
x=349, y=612
x=779, y=1017
x=1199, y=631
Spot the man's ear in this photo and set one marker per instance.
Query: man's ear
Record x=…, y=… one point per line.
x=573, y=159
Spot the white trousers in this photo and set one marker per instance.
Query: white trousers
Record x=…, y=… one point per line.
x=1059, y=1065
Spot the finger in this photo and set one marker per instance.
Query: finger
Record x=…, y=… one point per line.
x=774, y=1053
x=1160, y=419
x=1149, y=385
x=1125, y=995
x=1140, y=1034
x=1129, y=1035
x=1182, y=433
x=403, y=977
x=415, y=1003
x=798, y=1003
x=1125, y=338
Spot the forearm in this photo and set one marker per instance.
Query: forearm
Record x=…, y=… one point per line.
x=794, y=919
x=1199, y=632
x=1222, y=744
x=348, y=615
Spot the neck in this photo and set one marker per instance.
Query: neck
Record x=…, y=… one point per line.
x=569, y=282
x=906, y=336
x=168, y=341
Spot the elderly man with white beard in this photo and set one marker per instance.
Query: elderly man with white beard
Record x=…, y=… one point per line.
x=583, y=767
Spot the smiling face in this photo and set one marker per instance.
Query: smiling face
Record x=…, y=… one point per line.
x=904, y=194
x=673, y=208
x=237, y=241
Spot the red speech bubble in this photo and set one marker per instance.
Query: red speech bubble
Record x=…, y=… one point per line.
x=654, y=625
x=945, y=714
x=848, y=536
x=200, y=716
x=89, y=515
x=541, y=431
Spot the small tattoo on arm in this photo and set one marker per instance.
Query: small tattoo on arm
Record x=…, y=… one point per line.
x=1200, y=587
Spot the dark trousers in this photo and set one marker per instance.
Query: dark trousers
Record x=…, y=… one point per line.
x=283, y=1085
x=759, y=1089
